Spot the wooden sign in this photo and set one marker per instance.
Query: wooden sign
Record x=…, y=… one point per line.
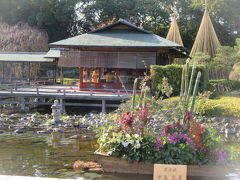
x=169, y=172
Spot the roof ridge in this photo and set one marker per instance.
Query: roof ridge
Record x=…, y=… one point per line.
x=123, y=21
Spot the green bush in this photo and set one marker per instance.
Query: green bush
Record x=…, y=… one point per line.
x=174, y=75
x=222, y=107
x=224, y=85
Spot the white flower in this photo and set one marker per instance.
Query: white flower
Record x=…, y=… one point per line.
x=138, y=145
x=127, y=136
x=125, y=144
x=131, y=142
x=136, y=136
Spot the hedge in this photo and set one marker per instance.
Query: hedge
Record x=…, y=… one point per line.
x=174, y=75
x=224, y=85
x=222, y=107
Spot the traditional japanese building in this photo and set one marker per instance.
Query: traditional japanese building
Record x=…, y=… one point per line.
x=113, y=56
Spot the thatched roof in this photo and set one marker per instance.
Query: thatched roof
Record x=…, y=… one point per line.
x=206, y=41
x=174, y=33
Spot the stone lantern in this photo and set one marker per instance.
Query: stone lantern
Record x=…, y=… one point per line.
x=56, y=113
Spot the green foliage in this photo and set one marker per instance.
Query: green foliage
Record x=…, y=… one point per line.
x=224, y=85
x=212, y=141
x=221, y=65
x=235, y=72
x=64, y=18
x=165, y=88
x=37, y=113
x=174, y=74
x=49, y=121
x=222, y=107
x=58, y=18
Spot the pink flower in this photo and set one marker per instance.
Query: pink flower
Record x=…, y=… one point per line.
x=127, y=119
x=159, y=143
x=143, y=113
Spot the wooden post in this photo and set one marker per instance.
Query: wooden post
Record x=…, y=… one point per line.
x=3, y=71
x=103, y=106
x=61, y=75
x=62, y=104
x=80, y=77
x=117, y=74
x=37, y=91
x=29, y=71
x=22, y=104
x=55, y=73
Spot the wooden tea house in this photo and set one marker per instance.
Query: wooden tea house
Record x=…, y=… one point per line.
x=111, y=57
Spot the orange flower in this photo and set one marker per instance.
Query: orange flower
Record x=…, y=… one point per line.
x=196, y=132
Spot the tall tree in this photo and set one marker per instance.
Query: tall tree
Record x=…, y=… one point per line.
x=20, y=37
x=56, y=17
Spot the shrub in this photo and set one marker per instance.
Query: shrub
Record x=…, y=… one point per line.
x=222, y=107
x=223, y=85
x=174, y=74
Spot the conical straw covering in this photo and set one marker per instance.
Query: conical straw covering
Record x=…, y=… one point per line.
x=174, y=33
x=206, y=41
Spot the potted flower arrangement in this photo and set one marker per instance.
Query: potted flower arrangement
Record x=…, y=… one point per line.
x=131, y=144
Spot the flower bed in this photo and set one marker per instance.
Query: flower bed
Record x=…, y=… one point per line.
x=133, y=135
x=176, y=143
x=116, y=165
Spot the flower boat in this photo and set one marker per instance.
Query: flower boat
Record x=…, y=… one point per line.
x=116, y=165
x=135, y=141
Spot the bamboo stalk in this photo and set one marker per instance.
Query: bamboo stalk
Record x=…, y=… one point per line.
x=195, y=91
x=134, y=93
x=191, y=81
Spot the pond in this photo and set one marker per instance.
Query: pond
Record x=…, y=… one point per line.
x=52, y=155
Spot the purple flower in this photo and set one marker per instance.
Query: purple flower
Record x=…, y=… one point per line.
x=159, y=143
x=181, y=138
x=221, y=155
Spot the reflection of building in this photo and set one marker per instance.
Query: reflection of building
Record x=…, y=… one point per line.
x=116, y=53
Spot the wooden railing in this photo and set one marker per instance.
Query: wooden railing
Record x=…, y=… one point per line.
x=32, y=91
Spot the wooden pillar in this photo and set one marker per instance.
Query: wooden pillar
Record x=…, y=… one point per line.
x=55, y=72
x=29, y=71
x=62, y=104
x=61, y=75
x=103, y=106
x=2, y=71
x=22, y=104
x=80, y=77
x=117, y=74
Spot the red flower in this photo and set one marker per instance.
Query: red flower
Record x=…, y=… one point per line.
x=188, y=116
x=143, y=113
x=127, y=119
x=167, y=129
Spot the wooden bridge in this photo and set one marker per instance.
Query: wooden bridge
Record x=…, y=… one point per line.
x=61, y=92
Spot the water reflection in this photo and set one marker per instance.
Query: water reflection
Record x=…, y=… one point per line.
x=52, y=155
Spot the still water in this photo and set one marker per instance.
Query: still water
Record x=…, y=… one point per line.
x=52, y=155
